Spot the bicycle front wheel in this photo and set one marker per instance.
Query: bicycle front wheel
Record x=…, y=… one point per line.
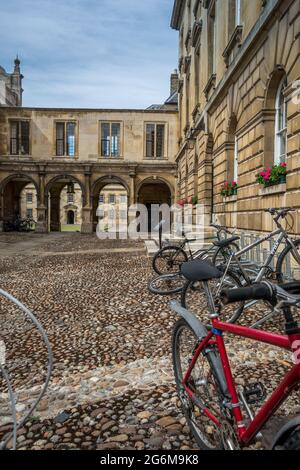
x=288, y=268
x=169, y=260
x=167, y=284
x=202, y=382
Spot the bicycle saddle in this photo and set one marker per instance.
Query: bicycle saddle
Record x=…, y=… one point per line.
x=199, y=270
x=228, y=241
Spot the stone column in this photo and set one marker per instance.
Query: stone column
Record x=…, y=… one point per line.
x=87, y=210
x=1, y=211
x=42, y=223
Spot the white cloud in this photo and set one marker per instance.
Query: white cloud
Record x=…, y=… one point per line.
x=91, y=53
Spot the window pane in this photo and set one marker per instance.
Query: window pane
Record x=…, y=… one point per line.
x=150, y=140
x=29, y=213
x=105, y=140
x=70, y=197
x=14, y=138
x=25, y=137
x=101, y=199
x=160, y=140
x=115, y=139
x=112, y=199
x=60, y=138
x=29, y=197
x=71, y=127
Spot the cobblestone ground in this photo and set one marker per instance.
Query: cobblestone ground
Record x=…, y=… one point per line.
x=112, y=385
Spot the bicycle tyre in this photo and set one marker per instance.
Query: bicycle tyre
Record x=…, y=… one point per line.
x=189, y=408
x=281, y=261
x=164, y=279
x=220, y=250
x=160, y=255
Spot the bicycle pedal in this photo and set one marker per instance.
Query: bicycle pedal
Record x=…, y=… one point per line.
x=254, y=392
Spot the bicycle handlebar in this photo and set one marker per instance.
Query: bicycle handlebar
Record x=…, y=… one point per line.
x=263, y=291
x=279, y=212
x=221, y=227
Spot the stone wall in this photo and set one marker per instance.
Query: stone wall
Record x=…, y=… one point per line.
x=238, y=104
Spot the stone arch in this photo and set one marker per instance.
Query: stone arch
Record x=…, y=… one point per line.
x=53, y=189
x=156, y=179
x=10, y=194
x=100, y=184
x=68, y=177
x=154, y=191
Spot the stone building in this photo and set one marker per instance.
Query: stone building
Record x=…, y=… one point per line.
x=11, y=86
x=239, y=105
x=52, y=148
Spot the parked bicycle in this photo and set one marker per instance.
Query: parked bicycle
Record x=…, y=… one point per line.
x=17, y=224
x=192, y=292
x=169, y=259
x=214, y=407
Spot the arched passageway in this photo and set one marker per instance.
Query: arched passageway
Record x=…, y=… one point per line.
x=154, y=192
x=110, y=199
x=63, y=196
x=19, y=199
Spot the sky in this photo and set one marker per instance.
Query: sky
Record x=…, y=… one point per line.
x=90, y=53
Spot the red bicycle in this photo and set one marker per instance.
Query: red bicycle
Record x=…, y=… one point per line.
x=214, y=407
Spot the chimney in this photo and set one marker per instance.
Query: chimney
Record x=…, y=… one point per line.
x=174, y=82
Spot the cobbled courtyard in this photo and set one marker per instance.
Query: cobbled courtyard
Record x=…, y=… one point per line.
x=112, y=385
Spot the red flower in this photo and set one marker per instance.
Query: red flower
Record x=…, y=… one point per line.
x=283, y=165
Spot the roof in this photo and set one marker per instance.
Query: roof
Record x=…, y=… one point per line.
x=173, y=99
x=177, y=13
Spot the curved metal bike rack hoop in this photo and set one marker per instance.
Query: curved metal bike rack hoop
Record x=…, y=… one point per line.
x=16, y=425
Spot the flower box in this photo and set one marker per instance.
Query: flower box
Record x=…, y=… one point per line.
x=229, y=189
x=272, y=176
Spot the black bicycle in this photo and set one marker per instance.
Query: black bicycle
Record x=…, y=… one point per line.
x=169, y=259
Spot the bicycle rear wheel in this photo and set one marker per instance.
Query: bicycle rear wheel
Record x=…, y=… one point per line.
x=288, y=268
x=203, y=383
x=169, y=260
x=167, y=284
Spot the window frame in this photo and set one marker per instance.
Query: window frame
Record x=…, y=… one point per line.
x=165, y=141
x=65, y=141
x=29, y=198
x=120, y=153
x=19, y=138
x=280, y=133
x=238, y=13
x=236, y=159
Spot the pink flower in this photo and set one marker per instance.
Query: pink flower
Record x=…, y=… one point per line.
x=234, y=183
x=262, y=173
x=283, y=165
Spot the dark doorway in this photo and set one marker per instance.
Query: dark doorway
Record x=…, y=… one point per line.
x=71, y=218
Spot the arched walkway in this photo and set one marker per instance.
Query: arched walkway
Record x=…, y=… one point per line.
x=58, y=194
x=154, y=191
x=13, y=197
x=109, y=190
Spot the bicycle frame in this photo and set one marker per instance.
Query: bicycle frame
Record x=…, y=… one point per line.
x=289, y=382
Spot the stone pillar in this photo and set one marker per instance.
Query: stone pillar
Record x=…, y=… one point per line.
x=87, y=210
x=42, y=223
x=1, y=211
x=55, y=213
x=132, y=195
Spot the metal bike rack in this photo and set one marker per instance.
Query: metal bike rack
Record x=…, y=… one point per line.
x=17, y=425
